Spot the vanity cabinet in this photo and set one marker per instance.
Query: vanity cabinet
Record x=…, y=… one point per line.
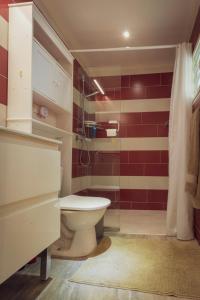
x=29, y=208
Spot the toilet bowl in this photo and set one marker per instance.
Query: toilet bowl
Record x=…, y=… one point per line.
x=79, y=215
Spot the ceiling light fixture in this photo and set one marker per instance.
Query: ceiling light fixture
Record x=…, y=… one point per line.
x=126, y=34
x=99, y=87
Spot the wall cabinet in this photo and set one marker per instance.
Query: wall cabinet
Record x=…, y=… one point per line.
x=49, y=79
x=40, y=74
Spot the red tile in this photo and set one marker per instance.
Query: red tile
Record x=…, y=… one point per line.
x=146, y=79
x=125, y=205
x=163, y=130
x=131, y=169
x=3, y=62
x=116, y=169
x=158, y=92
x=164, y=156
x=76, y=125
x=133, y=195
x=142, y=131
x=82, y=193
x=166, y=78
x=91, y=117
x=164, y=206
x=75, y=155
x=109, y=81
x=139, y=206
x=102, y=170
x=124, y=156
x=157, y=196
x=118, y=94
x=3, y=90
x=144, y=156
x=160, y=117
x=4, y=9
x=107, y=157
x=156, y=170
x=74, y=170
x=114, y=205
x=123, y=131
x=125, y=81
x=130, y=118
x=155, y=206
x=75, y=111
x=135, y=92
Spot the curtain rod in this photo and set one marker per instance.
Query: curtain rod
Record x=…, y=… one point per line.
x=124, y=49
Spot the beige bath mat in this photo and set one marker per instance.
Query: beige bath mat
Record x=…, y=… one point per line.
x=167, y=267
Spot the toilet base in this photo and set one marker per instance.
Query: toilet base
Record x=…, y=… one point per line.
x=83, y=243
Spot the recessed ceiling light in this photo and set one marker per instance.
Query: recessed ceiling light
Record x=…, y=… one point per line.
x=126, y=34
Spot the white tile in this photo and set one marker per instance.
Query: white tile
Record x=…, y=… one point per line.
x=108, y=106
x=144, y=182
x=145, y=105
x=105, y=180
x=88, y=106
x=80, y=183
x=3, y=109
x=106, y=144
x=152, y=143
x=3, y=33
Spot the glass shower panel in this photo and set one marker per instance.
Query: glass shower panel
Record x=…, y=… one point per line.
x=105, y=166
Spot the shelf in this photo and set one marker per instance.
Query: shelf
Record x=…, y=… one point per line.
x=27, y=135
x=108, y=112
x=50, y=104
x=104, y=188
x=49, y=129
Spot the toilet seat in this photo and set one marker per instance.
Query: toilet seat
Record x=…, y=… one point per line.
x=74, y=202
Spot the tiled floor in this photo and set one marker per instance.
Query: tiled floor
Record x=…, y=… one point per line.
x=60, y=288
x=147, y=222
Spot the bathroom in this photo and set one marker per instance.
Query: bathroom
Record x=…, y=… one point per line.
x=99, y=149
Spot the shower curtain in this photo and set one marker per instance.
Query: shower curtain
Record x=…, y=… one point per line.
x=179, y=210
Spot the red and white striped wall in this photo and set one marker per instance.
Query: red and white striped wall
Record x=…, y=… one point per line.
x=136, y=160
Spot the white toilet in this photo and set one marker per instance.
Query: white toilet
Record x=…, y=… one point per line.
x=79, y=215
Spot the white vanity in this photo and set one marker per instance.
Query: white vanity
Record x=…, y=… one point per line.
x=29, y=187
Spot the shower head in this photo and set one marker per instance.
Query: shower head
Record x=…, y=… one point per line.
x=92, y=94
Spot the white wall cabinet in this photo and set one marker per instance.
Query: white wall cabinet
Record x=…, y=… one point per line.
x=40, y=74
x=49, y=79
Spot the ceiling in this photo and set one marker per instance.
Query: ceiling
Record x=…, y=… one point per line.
x=84, y=24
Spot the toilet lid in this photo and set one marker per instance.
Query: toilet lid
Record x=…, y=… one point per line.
x=74, y=202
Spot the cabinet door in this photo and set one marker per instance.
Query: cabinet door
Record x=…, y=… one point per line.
x=49, y=79
x=42, y=71
x=61, y=87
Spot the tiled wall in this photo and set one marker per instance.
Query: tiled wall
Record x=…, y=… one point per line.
x=132, y=169
x=193, y=40
x=138, y=162
x=80, y=173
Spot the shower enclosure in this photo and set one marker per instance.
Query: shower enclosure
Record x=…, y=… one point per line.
x=102, y=165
